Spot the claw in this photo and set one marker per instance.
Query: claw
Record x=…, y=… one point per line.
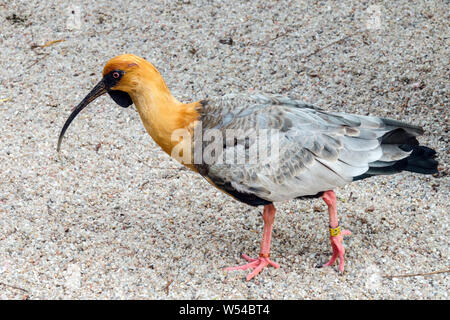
x=257, y=264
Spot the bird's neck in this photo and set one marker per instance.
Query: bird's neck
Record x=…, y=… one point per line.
x=163, y=115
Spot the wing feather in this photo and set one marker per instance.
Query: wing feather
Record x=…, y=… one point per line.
x=318, y=150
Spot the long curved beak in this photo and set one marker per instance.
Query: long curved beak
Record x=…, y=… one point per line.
x=96, y=92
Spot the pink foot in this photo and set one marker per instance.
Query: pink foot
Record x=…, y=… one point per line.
x=257, y=264
x=338, y=250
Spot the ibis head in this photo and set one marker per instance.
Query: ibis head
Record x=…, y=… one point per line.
x=122, y=77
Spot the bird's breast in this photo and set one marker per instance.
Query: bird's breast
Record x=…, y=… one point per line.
x=171, y=125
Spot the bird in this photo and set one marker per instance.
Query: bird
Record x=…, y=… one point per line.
x=307, y=152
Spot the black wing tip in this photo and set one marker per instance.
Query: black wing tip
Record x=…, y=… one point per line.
x=421, y=160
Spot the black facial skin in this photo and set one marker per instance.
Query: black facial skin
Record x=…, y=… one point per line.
x=123, y=99
x=111, y=79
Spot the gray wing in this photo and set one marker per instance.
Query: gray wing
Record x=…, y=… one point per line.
x=307, y=150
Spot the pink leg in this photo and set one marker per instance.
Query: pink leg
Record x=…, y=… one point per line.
x=336, y=241
x=263, y=260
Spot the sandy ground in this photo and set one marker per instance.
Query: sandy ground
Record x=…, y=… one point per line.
x=112, y=216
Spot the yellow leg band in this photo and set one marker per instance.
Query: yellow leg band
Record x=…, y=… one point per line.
x=335, y=231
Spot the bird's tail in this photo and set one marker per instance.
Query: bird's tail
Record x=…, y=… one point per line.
x=421, y=160
x=402, y=140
